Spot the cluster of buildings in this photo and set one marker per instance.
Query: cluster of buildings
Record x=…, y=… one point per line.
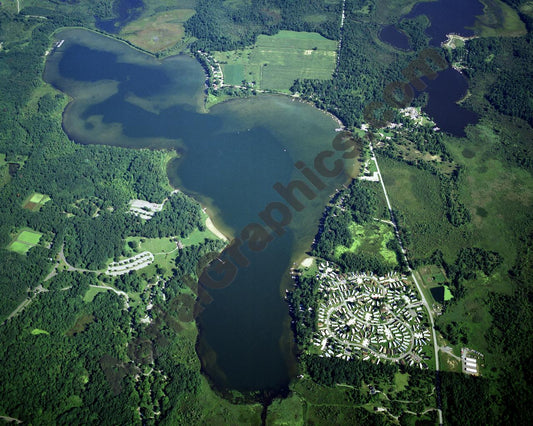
x=469, y=362
x=144, y=209
x=139, y=261
x=370, y=317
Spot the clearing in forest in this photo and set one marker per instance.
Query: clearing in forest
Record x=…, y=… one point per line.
x=24, y=241
x=35, y=201
x=274, y=62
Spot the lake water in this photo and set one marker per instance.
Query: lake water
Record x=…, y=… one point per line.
x=448, y=16
x=393, y=36
x=230, y=159
x=449, y=87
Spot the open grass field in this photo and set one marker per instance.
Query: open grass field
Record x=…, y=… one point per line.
x=499, y=20
x=400, y=381
x=35, y=201
x=416, y=194
x=37, y=331
x=24, y=241
x=499, y=196
x=19, y=247
x=90, y=294
x=371, y=238
x=287, y=411
x=431, y=275
x=274, y=62
x=158, y=32
x=29, y=237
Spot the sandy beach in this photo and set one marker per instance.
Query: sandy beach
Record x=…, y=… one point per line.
x=307, y=262
x=211, y=226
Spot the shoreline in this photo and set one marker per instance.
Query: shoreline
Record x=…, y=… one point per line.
x=211, y=226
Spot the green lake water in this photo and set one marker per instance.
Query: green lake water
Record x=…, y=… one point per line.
x=230, y=159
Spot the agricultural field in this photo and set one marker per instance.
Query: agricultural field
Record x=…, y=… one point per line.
x=35, y=201
x=158, y=32
x=24, y=241
x=274, y=62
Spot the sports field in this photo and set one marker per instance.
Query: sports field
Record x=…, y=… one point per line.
x=35, y=201
x=24, y=241
x=274, y=62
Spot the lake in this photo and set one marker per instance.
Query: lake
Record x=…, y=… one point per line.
x=448, y=16
x=230, y=159
x=393, y=36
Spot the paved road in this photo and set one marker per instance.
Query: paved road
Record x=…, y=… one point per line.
x=424, y=301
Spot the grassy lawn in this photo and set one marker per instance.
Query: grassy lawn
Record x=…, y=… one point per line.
x=432, y=274
x=35, y=201
x=400, y=381
x=37, y=331
x=24, y=241
x=29, y=237
x=274, y=62
x=19, y=247
x=90, y=294
x=165, y=249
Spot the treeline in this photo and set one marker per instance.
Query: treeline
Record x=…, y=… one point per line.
x=221, y=26
x=364, y=69
x=501, y=70
x=91, y=241
x=356, y=204
x=330, y=371
x=303, y=302
x=509, y=60
x=470, y=262
x=466, y=400
x=179, y=217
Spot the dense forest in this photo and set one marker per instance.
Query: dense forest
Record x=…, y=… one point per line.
x=71, y=358
x=221, y=25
